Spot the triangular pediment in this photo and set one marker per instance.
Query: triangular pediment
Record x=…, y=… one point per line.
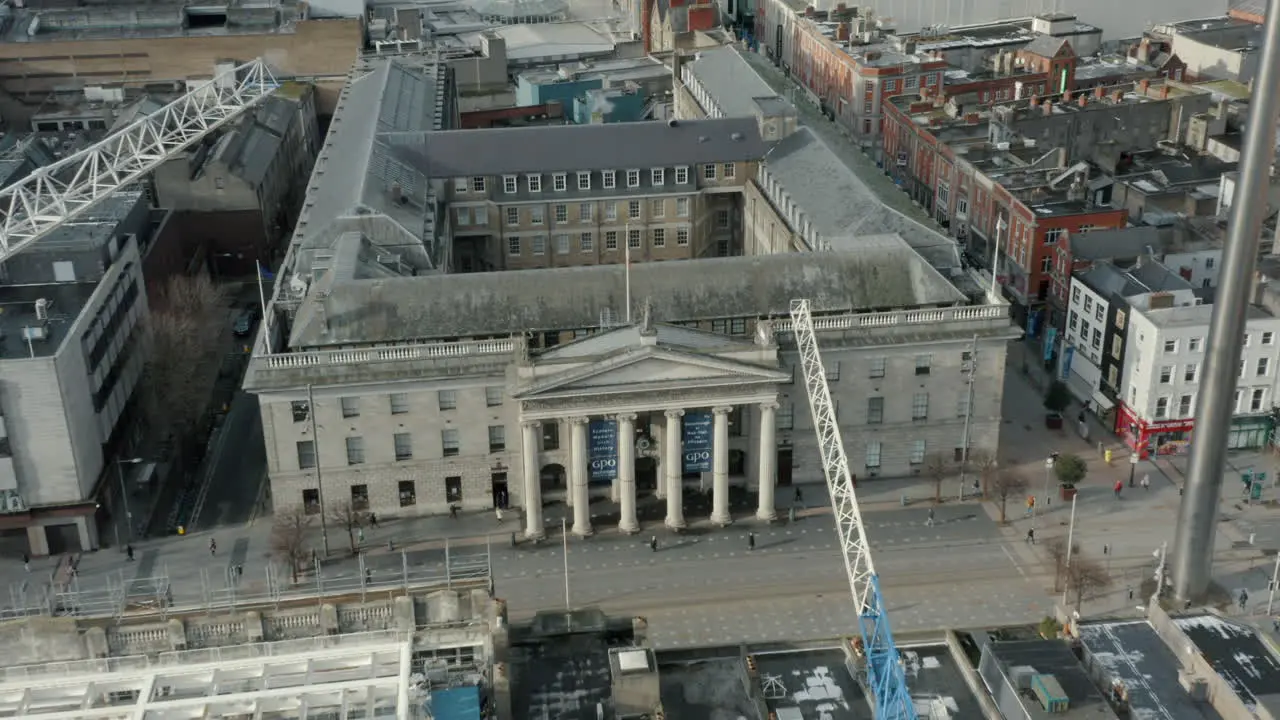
x=650, y=368
x=633, y=336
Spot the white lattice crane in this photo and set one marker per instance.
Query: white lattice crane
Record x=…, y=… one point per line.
x=885, y=676
x=57, y=193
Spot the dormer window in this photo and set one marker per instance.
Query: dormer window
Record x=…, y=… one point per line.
x=657, y=176
x=682, y=176
x=509, y=184
x=610, y=179
x=535, y=183
x=633, y=178
x=584, y=181
x=559, y=182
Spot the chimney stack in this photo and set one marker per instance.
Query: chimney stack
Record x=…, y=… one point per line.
x=1047, y=106
x=1083, y=100
x=1099, y=92
x=1035, y=101
x=1164, y=92
x=1144, y=86
x=809, y=11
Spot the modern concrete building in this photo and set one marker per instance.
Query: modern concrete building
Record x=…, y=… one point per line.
x=244, y=186
x=72, y=309
x=390, y=382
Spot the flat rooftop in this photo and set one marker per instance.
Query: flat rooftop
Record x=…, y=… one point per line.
x=811, y=685
x=709, y=688
x=936, y=683
x=18, y=313
x=1132, y=654
x=1239, y=656
x=64, y=20
x=1054, y=657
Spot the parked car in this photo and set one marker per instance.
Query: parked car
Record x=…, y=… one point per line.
x=245, y=321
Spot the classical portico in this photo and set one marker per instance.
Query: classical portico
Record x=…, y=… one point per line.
x=660, y=393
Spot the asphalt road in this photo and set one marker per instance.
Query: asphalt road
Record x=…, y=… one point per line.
x=238, y=466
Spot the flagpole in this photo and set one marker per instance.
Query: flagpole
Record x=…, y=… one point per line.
x=626, y=239
x=262, y=298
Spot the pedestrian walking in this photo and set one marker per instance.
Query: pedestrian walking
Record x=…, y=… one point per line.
x=1031, y=536
x=1130, y=592
x=498, y=513
x=1118, y=487
x=751, y=541
x=128, y=552
x=1244, y=599
x=929, y=522
x=653, y=543
x=360, y=535
x=213, y=547
x=799, y=496
x=26, y=562
x=239, y=571
x=453, y=511
x=373, y=520
x=1031, y=504
x=1146, y=482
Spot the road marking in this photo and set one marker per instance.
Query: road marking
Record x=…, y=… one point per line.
x=1016, y=566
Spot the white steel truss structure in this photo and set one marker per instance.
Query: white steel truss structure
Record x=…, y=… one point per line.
x=885, y=676
x=56, y=193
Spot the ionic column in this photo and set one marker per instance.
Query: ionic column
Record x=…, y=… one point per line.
x=768, y=460
x=626, y=482
x=578, y=477
x=720, y=467
x=672, y=465
x=659, y=430
x=532, y=481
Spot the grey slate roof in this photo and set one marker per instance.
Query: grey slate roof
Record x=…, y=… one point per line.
x=1045, y=45
x=470, y=305
x=1115, y=244
x=1150, y=276
x=559, y=148
x=729, y=80
x=1132, y=653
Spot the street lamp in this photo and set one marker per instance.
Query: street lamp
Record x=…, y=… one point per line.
x=1048, y=470
x=124, y=496
x=1133, y=466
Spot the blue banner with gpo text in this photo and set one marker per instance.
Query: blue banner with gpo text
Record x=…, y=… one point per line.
x=698, y=442
x=603, y=450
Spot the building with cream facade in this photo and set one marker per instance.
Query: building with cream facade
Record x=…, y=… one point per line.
x=404, y=387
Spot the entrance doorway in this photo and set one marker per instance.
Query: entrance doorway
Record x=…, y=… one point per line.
x=498, y=482
x=646, y=474
x=784, y=467
x=552, y=477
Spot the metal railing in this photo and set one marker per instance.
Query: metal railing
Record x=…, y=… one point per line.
x=395, y=353
x=965, y=313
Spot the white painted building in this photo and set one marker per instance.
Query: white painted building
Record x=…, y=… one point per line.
x=1163, y=367
x=71, y=311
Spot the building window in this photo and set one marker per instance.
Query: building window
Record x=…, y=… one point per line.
x=1193, y=345
x=682, y=176
x=611, y=240
x=1072, y=321
x=562, y=244
x=1120, y=319
x=877, y=367
x=633, y=178
x=399, y=403
x=786, y=416
x=449, y=442
x=587, y=242
x=1053, y=235
x=1189, y=373
x=610, y=179
x=493, y=395
x=729, y=171
x=584, y=181
x=513, y=246
x=923, y=364
x=962, y=404
x=738, y=326
x=513, y=216
x=301, y=410
x=404, y=446
x=311, y=501
x=657, y=176
x=585, y=212
x=447, y=399
x=682, y=207
x=350, y=407
x=1162, y=407
x=1097, y=314
x=482, y=216
x=1264, y=366
x=306, y=454
x=611, y=211
x=911, y=83
x=561, y=212
x=1247, y=338
x=1256, y=399
x=1088, y=305
x=1171, y=346
x=875, y=410
x=535, y=183
x=659, y=237
x=539, y=244
x=633, y=209
x=355, y=450
x=722, y=219
x=1166, y=374
x=709, y=171
x=464, y=216
x=408, y=493
x=873, y=454
x=510, y=185
x=1184, y=406
x=1097, y=339
x=1117, y=346
x=537, y=215
x=453, y=489
x=657, y=207
x=1268, y=338
x=833, y=371
x=917, y=452
x=962, y=206
x=477, y=184
x=1075, y=296
x=920, y=406
x=1046, y=264
x=360, y=497
x=497, y=438
x=633, y=239
x=560, y=182
x=550, y=436
x=720, y=326
x=682, y=236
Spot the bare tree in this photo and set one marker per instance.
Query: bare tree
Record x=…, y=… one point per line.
x=183, y=334
x=1086, y=578
x=938, y=466
x=1056, y=547
x=349, y=518
x=1005, y=485
x=288, y=537
x=984, y=463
